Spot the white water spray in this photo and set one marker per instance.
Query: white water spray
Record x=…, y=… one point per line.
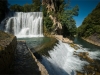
x=27, y=24
x=63, y=62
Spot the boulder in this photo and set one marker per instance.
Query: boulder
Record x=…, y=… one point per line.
x=8, y=43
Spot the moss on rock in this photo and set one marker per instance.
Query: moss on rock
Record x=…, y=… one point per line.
x=44, y=48
x=8, y=43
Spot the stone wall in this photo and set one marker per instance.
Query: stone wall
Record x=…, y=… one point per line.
x=8, y=45
x=42, y=69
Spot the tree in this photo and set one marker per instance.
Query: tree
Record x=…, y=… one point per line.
x=91, y=24
x=3, y=9
x=36, y=5
x=16, y=7
x=69, y=24
x=63, y=14
x=27, y=8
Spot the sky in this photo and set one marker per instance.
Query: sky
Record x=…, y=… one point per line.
x=85, y=7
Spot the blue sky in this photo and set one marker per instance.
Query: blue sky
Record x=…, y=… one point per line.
x=85, y=7
x=20, y=2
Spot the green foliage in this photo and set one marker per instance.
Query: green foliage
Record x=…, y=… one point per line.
x=44, y=48
x=69, y=24
x=48, y=24
x=16, y=7
x=44, y=10
x=63, y=14
x=91, y=23
x=3, y=9
x=27, y=7
x=34, y=7
x=46, y=20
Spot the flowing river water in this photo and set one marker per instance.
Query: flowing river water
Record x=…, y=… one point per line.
x=61, y=60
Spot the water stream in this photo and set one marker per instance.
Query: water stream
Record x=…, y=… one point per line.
x=63, y=62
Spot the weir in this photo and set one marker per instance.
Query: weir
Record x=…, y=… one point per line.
x=25, y=24
x=62, y=61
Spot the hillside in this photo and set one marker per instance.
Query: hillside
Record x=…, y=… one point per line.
x=90, y=28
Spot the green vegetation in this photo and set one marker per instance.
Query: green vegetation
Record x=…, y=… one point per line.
x=64, y=14
x=16, y=8
x=3, y=9
x=34, y=7
x=91, y=24
x=69, y=24
x=62, y=11
x=44, y=48
x=48, y=24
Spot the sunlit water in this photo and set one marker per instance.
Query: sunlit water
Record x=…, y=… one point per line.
x=63, y=62
x=34, y=42
x=24, y=24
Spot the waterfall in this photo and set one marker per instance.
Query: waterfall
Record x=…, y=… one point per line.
x=63, y=62
x=27, y=24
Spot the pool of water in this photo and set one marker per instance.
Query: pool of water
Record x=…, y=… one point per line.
x=36, y=41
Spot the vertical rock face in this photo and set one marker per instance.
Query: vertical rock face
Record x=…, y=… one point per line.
x=8, y=45
x=53, y=6
x=50, y=5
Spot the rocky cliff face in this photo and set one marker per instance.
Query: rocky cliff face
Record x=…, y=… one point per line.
x=49, y=5
x=8, y=44
x=52, y=6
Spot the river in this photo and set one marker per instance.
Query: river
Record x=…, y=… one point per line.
x=63, y=62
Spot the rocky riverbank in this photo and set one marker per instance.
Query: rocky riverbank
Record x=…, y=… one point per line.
x=60, y=37
x=92, y=41
x=92, y=68
x=8, y=45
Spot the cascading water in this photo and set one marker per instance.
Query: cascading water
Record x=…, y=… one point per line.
x=27, y=24
x=63, y=62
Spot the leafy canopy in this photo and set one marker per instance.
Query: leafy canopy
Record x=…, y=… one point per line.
x=91, y=23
